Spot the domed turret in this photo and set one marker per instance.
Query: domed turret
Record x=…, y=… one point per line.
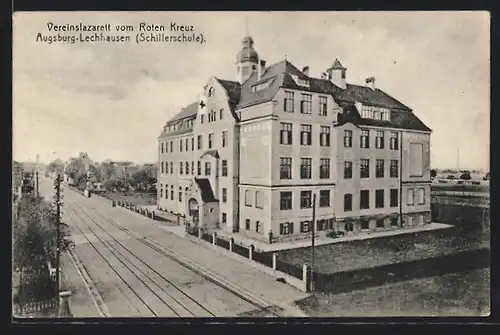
x=247, y=60
x=247, y=53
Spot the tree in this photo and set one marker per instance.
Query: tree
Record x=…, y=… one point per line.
x=55, y=166
x=77, y=171
x=433, y=173
x=465, y=175
x=487, y=176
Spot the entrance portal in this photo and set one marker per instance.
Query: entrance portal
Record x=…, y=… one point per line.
x=194, y=211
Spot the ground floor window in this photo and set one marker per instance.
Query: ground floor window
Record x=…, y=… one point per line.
x=258, y=227
x=349, y=226
x=365, y=224
x=224, y=218
x=380, y=223
x=286, y=228
x=305, y=226
x=247, y=224
x=394, y=222
x=420, y=219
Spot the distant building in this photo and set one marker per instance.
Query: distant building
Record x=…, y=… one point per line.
x=249, y=155
x=17, y=179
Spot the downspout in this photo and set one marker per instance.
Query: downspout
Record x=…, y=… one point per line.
x=238, y=151
x=401, y=180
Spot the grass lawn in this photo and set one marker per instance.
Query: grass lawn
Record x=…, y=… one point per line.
x=134, y=198
x=457, y=294
x=460, y=187
x=386, y=250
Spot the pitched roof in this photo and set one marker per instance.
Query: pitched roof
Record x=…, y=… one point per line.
x=207, y=194
x=399, y=119
x=367, y=95
x=185, y=112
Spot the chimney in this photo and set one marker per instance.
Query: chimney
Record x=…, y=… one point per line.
x=324, y=75
x=261, y=68
x=371, y=81
x=305, y=70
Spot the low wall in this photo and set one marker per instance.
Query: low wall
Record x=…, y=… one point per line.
x=298, y=283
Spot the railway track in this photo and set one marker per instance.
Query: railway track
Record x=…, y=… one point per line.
x=173, y=299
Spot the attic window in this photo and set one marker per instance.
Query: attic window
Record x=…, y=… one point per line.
x=263, y=85
x=375, y=113
x=301, y=81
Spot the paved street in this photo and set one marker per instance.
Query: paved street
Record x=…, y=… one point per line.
x=129, y=261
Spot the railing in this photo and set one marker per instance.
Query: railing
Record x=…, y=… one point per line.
x=30, y=307
x=290, y=269
x=222, y=243
x=240, y=250
x=264, y=259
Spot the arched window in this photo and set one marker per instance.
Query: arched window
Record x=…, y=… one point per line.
x=161, y=190
x=247, y=224
x=259, y=201
x=248, y=198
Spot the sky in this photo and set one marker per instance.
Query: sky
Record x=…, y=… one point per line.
x=111, y=100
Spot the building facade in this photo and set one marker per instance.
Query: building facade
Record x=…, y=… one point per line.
x=252, y=155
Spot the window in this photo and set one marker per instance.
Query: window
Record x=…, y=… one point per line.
x=394, y=197
x=180, y=194
x=305, y=226
x=394, y=222
x=286, y=228
x=248, y=198
x=199, y=168
x=161, y=190
x=259, y=201
x=172, y=192
x=306, y=104
x=364, y=199
x=221, y=114
x=192, y=168
x=210, y=141
x=365, y=224
x=166, y=191
x=323, y=106
x=180, y=145
x=224, y=138
x=324, y=168
x=379, y=168
x=347, y=202
x=421, y=196
x=207, y=168
x=224, y=167
x=379, y=198
x=181, y=170
x=380, y=223
x=394, y=168
x=411, y=196
x=285, y=168
x=172, y=146
x=199, y=142
x=365, y=138
x=347, y=170
x=305, y=134
x=288, y=105
x=286, y=133
x=187, y=167
x=258, y=227
x=224, y=218
x=224, y=195
x=416, y=159
x=365, y=168
x=186, y=145
x=171, y=167
x=324, y=136
x=166, y=146
x=285, y=200
x=324, y=198
x=394, y=141
x=162, y=167
x=305, y=168
x=192, y=144
x=305, y=199
x=161, y=150
x=348, y=138
x=247, y=224
x=379, y=140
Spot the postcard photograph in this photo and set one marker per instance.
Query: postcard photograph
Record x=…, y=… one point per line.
x=251, y=164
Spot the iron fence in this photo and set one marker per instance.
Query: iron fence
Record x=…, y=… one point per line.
x=290, y=269
x=265, y=259
x=222, y=243
x=240, y=250
x=206, y=237
x=30, y=307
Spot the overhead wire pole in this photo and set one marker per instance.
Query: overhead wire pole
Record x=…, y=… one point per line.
x=58, y=234
x=313, y=229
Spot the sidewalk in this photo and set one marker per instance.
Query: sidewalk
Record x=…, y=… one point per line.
x=322, y=240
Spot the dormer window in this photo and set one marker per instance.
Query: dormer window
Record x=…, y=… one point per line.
x=262, y=85
x=375, y=113
x=301, y=81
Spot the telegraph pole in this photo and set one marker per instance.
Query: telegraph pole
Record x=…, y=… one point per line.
x=313, y=229
x=58, y=223
x=36, y=185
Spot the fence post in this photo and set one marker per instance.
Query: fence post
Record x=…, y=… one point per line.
x=275, y=256
x=231, y=243
x=214, y=238
x=64, y=309
x=305, y=275
x=199, y=232
x=153, y=215
x=251, y=249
